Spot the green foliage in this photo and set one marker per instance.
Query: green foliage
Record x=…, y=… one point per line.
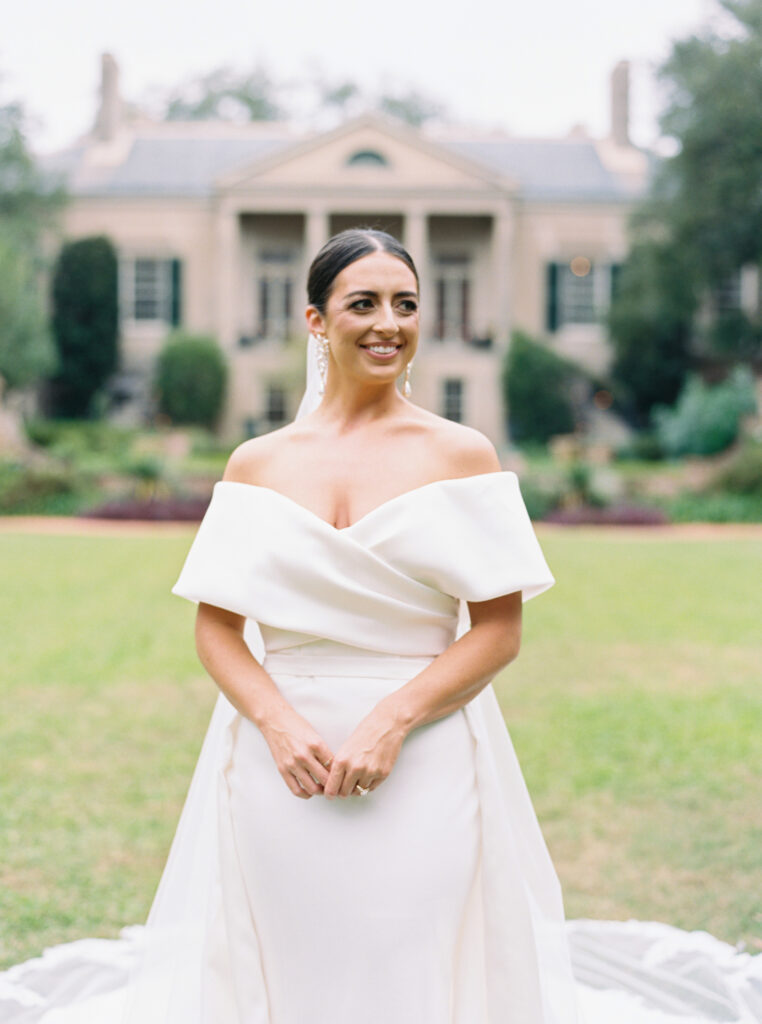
x=708, y=507
x=191, y=378
x=713, y=181
x=26, y=345
x=650, y=327
x=743, y=475
x=29, y=204
x=536, y=390
x=40, y=490
x=706, y=418
x=85, y=323
x=225, y=95
x=701, y=222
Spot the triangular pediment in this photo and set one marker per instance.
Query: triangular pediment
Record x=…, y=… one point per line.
x=341, y=160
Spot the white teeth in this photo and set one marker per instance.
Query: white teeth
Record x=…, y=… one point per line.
x=382, y=349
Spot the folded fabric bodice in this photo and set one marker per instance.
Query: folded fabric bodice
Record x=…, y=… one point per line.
x=390, y=582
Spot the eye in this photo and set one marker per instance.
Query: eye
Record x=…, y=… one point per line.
x=361, y=304
x=409, y=306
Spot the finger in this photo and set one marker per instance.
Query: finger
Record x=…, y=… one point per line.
x=334, y=781
x=349, y=783
x=319, y=770
x=306, y=781
x=367, y=786
x=294, y=786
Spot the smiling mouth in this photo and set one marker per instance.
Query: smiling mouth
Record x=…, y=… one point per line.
x=382, y=350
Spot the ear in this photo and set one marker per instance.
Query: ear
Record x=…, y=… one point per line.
x=315, y=322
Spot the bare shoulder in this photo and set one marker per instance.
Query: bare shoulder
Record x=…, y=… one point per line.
x=248, y=462
x=460, y=449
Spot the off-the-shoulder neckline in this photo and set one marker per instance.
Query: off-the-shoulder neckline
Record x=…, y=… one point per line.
x=382, y=507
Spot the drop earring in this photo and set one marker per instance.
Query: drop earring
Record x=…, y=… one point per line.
x=323, y=348
x=406, y=389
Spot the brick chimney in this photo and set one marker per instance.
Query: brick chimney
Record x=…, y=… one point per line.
x=109, y=116
x=620, y=104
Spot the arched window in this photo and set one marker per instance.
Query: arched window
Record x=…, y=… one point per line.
x=367, y=158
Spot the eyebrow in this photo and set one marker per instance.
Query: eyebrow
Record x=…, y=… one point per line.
x=374, y=295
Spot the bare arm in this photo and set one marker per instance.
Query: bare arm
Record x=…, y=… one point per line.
x=461, y=671
x=299, y=751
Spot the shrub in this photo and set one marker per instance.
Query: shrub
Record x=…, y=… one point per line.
x=85, y=323
x=644, y=446
x=706, y=418
x=611, y=515
x=690, y=507
x=191, y=377
x=38, y=489
x=743, y=475
x=536, y=386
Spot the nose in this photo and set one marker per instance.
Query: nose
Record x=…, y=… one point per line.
x=386, y=322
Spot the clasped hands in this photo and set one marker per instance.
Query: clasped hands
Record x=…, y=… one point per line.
x=309, y=767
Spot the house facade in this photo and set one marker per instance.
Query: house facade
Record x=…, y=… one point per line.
x=216, y=224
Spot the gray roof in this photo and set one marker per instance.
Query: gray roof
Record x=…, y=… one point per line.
x=547, y=168
x=184, y=165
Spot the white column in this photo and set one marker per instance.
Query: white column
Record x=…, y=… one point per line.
x=316, y=234
x=416, y=241
x=502, y=253
x=502, y=267
x=227, y=259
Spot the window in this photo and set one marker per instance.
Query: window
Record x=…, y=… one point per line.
x=150, y=289
x=276, y=404
x=275, y=285
x=452, y=399
x=727, y=293
x=578, y=292
x=452, y=288
x=367, y=158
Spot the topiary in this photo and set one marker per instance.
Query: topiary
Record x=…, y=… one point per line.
x=191, y=379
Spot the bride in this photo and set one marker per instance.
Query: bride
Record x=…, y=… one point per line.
x=350, y=536
x=358, y=845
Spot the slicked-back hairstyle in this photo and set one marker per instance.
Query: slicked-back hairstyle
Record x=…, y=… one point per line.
x=343, y=249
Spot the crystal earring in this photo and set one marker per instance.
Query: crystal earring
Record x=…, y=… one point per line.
x=406, y=385
x=323, y=348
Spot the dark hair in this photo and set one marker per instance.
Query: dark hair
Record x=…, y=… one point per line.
x=343, y=249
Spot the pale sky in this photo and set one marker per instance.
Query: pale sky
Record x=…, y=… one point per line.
x=533, y=68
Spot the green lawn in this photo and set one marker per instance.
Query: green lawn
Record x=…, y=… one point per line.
x=634, y=707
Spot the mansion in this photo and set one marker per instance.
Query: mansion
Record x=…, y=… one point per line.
x=216, y=223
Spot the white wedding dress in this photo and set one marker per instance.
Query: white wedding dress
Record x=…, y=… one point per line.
x=432, y=899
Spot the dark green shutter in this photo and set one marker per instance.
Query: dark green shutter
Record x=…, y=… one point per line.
x=615, y=271
x=176, y=303
x=551, y=306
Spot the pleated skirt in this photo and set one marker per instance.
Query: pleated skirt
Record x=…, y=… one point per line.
x=357, y=910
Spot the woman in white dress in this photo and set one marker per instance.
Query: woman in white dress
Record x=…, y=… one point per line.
x=358, y=845
x=379, y=860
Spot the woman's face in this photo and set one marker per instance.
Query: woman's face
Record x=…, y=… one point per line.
x=371, y=318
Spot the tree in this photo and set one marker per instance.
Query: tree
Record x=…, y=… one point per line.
x=650, y=324
x=85, y=323
x=225, y=95
x=229, y=95
x=702, y=219
x=29, y=203
x=537, y=386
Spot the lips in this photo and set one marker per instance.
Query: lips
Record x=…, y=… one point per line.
x=385, y=353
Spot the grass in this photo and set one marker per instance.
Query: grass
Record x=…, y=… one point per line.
x=634, y=708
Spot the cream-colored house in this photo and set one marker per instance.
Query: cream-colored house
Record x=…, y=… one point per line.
x=216, y=223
